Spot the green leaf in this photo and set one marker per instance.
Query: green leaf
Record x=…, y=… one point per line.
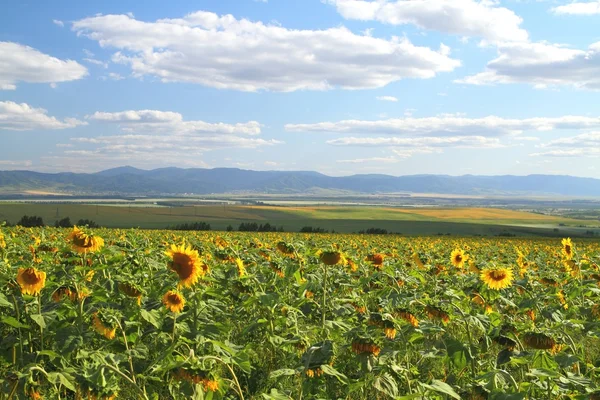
x=281, y=372
x=458, y=353
x=386, y=384
x=12, y=321
x=4, y=301
x=57, y=377
x=152, y=317
x=441, y=387
x=542, y=360
x=329, y=370
x=275, y=395
x=48, y=353
x=39, y=319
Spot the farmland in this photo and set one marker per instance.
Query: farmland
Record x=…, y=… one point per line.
x=137, y=314
x=341, y=218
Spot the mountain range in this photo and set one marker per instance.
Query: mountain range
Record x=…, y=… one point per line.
x=130, y=181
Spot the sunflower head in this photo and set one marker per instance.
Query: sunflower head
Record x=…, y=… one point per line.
x=567, y=248
x=186, y=263
x=31, y=280
x=458, y=258
x=83, y=242
x=331, y=257
x=497, y=278
x=540, y=341
x=174, y=301
x=2, y=241
x=131, y=290
x=104, y=324
x=408, y=317
x=376, y=260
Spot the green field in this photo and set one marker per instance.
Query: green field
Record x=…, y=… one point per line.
x=410, y=221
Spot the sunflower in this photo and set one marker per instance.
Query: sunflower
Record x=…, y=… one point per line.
x=541, y=341
x=131, y=290
x=417, y=260
x=109, y=331
x=187, y=264
x=312, y=372
x=365, y=346
x=2, y=241
x=389, y=330
x=240, y=267
x=31, y=280
x=331, y=257
x=458, y=258
x=408, y=317
x=197, y=377
x=437, y=313
x=285, y=248
x=64, y=291
x=567, y=249
x=497, y=278
x=376, y=260
x=81, y=242
x=174, y=301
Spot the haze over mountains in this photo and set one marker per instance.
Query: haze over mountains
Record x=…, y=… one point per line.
x=177, y=181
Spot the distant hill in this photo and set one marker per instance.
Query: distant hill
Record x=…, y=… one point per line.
x=173, y=181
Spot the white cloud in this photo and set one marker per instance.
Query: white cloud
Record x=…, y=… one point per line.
x=114, y=76
x=466, y=18
x=271, y=163
x=58, y=22
x=578, y=8
x=369, y=160
x=542, y=65
x=11, y=164
x=449, y=125
x=156, y=138
x=387, y=98
x=102, y=64
x=229, y=53
x=584, y=140
x=153, y=121
x=577, y=153
x=23, y=117
x=20, y=63
x=423, y=142
x=582, y=145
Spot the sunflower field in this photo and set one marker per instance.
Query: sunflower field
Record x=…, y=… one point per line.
x=134, y=314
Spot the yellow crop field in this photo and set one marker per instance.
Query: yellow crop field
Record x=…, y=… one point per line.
x=135, y=314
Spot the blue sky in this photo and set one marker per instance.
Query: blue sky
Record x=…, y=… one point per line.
x=337, y=86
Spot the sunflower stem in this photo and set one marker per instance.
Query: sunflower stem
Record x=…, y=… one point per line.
x=128, y=353
x=324, y=296
x=235, y=379
x=41, y=328
x=20, y=333
x=174, y=325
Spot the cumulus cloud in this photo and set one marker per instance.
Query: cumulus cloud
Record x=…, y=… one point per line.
x=153, y=121
x=12, y=164
x=19, y=63
x=369, y=160
x=23, y=117
x=423, y=142
x=578, y=8
x=449, y=125
x=542, y=65
x=466, y=18
x=387, y=98
x=58, y=22
x=577, y=153
x=229, y=53
x=155, y=138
